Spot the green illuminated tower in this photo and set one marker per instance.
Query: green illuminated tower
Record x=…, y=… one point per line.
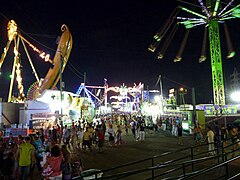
x=210, y=16
x=216, y=63
x=215, y=52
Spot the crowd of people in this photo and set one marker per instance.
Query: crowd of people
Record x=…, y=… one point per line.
x=216, y=136
x=220, y=136
x=49, y=151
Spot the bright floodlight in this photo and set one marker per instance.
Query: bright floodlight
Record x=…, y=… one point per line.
x=236, y=96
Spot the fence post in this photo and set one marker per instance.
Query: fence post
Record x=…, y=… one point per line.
x=223, y=152
x=218, y=151
x=192, y=158
x=183, y=170
x=226, y=167
x=152, y=168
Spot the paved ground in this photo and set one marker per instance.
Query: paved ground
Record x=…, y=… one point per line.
x=156, y=143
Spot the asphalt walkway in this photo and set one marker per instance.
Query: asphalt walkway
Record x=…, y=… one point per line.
x=161, y=143
x=155, y=143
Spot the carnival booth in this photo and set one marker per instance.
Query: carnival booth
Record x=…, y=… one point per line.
x=50, y=109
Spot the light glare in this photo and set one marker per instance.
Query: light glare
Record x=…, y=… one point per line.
x=236, y=96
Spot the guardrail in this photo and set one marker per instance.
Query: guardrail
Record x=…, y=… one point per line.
x=172, y=166
x=203, y=171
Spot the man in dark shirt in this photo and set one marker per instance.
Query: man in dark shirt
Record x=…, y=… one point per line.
x=54, y=134
x=217, y=135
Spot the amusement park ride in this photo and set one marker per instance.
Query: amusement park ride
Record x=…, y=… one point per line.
x=54, y=74
x=125, y=99
x=213, y=13
x=83, y=103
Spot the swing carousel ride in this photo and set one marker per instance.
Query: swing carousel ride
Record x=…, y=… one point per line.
x=53, y=75
x=211, y=14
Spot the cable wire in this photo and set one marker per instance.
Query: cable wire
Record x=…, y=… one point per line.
x=69, y=62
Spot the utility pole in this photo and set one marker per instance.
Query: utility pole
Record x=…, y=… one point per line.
x=61, y=95
x=84, y=81
x=160, y=84
x=105, y=93
x=194, y=105
x=84, y=84
x=161, y=92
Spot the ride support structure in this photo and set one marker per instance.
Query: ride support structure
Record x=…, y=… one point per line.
x=216, y=63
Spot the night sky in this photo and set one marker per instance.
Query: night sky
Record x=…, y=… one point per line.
x=110, y=40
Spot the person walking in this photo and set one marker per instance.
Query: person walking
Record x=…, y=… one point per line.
x=26, y=158
x=174, y=127
x=224, y=133
x=39, y=149
x=74, y=139
x=142, y=132
x=111, y=135
x=180, y=133
x=65, y=135
x=101, y=138
x=54, y=163
x=133, y=128
x=138, y=122
x=210, y=138
x=118, y=135
x=80, y=138
x=217, y=137
x=66, y=164
x=126, y=127
x=234, y=137
x=198, y=135
x=87, y=136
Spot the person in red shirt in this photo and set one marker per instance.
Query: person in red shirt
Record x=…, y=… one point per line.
x=100, y=135
x=54, y=162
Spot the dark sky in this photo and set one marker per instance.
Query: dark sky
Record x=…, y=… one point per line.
x=110, y=40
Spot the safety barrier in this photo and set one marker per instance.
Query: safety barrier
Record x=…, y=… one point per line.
x=181, y=170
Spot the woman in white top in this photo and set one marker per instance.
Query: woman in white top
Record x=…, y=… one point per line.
x=210, y=137
x=111, y=134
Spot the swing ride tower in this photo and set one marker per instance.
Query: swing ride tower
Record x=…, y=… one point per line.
x=213, y=13
x=215, y=52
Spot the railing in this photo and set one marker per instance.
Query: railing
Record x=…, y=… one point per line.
x=203, y=171
x=169, y=167
x=152, y=160
x=174, y=167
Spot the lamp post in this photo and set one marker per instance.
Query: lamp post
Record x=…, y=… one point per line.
x=182, y=91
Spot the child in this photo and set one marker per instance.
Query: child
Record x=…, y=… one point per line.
x=118, y=136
